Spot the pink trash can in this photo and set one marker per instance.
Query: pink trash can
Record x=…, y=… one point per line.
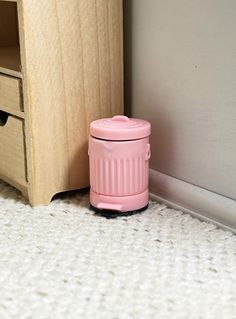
x=119, y=153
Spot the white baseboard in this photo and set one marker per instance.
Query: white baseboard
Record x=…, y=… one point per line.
x=192, y=199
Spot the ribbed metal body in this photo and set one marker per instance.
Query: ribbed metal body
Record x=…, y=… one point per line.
x=119, y=168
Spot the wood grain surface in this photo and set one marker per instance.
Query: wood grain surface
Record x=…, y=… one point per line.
x=10, y=95
x=12, y=153
x=72, y=68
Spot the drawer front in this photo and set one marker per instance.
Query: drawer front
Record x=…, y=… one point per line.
x=10, y=95
x=12, y=151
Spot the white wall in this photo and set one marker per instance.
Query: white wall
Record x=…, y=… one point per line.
x=181, y=76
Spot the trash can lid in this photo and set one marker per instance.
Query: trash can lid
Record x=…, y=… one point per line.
x=120, y=128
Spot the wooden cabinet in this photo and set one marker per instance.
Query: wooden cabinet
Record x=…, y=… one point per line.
x=61, y=67
x=12, y=153
x=10, y=94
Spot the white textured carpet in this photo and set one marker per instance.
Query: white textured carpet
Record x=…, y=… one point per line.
x=63, y=261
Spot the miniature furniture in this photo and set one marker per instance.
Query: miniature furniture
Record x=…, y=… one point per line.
x=61, y=67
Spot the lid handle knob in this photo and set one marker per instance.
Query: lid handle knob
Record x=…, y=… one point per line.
x=120, y=118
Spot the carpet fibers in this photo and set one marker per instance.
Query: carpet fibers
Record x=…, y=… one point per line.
x=65, y=261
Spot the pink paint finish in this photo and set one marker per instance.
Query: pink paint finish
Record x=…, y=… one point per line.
x=120, y=128
x=119, y=203
x=119, y=152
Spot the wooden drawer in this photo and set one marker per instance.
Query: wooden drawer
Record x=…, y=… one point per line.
x=12, y=152
x=10, y=95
